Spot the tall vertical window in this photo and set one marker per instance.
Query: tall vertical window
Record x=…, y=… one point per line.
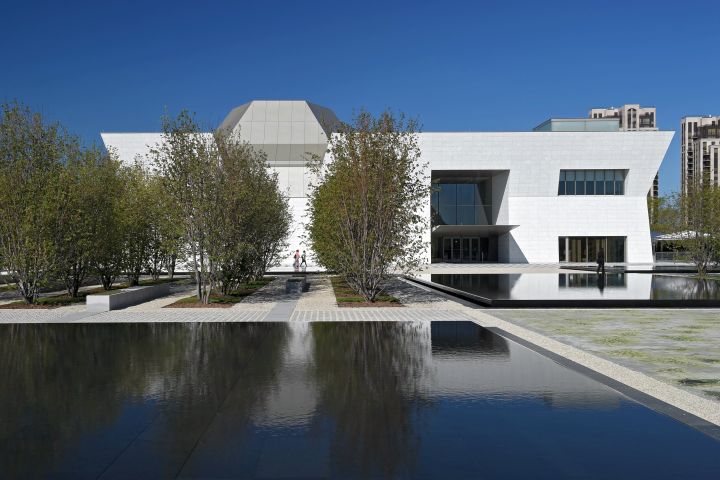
x=592, y=182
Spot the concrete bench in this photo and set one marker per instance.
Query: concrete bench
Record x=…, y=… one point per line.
x=295, y=284
x=126, y=297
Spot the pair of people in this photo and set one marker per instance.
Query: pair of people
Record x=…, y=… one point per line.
x=300, y=260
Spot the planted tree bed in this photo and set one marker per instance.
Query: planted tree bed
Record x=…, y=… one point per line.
x=218, y=300
x=64, y=300
x=347, y=297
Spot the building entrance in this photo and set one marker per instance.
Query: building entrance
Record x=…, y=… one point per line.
x=585, y=249
x=465, y=249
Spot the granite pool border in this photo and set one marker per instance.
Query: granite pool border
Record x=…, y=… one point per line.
x=639, y=396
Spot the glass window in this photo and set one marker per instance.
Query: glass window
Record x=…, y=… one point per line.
x=589, y=187
x=592, y=182
x=599, y=187
x=580, y=187
x=465, y=215
x=609, y=187
x=465, y=194
x=447, y=214
x=448, y=194
x=570, y=188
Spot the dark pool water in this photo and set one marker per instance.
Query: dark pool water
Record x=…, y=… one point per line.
x=582, y=286
x=343, y=400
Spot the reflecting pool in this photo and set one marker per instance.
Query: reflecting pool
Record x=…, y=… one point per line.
x=318, y=400
x=581, y=286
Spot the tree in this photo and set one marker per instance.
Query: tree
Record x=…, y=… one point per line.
x=254, y=216
x=365, y=211
x=667, y=215
x=700, y=213
x=164, y=236
x=33, y=203
x=136, y=218
x=85, y=188
x=108, y=242
x=234, y=219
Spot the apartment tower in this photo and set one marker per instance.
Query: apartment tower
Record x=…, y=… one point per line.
x=699, y=149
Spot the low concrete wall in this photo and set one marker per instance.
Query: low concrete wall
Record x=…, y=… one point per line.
x=295, y=284
x=126, y=297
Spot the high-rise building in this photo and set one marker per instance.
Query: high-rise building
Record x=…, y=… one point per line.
x=633, y=117
x=699, y=150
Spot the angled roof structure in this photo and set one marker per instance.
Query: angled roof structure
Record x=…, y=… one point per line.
x=288, y=131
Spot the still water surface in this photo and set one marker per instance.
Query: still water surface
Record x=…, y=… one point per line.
x=582, y=286
x=319, y=400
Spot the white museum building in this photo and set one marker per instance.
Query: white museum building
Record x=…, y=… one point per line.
x=554, y=194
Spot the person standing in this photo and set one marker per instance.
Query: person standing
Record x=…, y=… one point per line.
x=601, y=261
x=296, y=262
x=303, y=260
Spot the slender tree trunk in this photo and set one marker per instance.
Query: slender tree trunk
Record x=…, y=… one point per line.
x=171, y=266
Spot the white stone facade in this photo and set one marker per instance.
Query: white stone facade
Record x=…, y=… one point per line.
x=527, y=195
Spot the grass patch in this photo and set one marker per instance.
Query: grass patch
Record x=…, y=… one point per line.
x=712, y=393
x=8, y=288
x=614, y=340
x=346, y=296
x=218, y=300
x=697, y=382
x=681, y=338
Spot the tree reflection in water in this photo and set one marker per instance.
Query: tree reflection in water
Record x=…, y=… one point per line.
x=370, y=379
x=63, y=382
x=685, y=287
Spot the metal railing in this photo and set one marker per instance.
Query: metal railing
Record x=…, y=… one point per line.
x=677, y=257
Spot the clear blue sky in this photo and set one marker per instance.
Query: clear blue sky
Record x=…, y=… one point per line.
x=507, y=65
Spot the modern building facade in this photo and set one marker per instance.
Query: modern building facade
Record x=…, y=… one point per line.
x=699, y=150
x=554, y=194
x=632, y=118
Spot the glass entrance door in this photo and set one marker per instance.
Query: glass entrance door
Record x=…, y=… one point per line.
x=456, y=250
x=463, y=249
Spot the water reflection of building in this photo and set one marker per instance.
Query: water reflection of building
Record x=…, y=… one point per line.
x=549, y=286
x=474, y=371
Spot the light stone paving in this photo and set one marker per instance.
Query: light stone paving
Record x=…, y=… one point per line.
x=319, y=297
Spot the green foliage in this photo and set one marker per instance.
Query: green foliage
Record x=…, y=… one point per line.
x=69, y=212
x=88, y=187
x=695, y=217
x=234, y=218
x=365, y=211
x=701, y=213
x=231, y=297
x=33, y=202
